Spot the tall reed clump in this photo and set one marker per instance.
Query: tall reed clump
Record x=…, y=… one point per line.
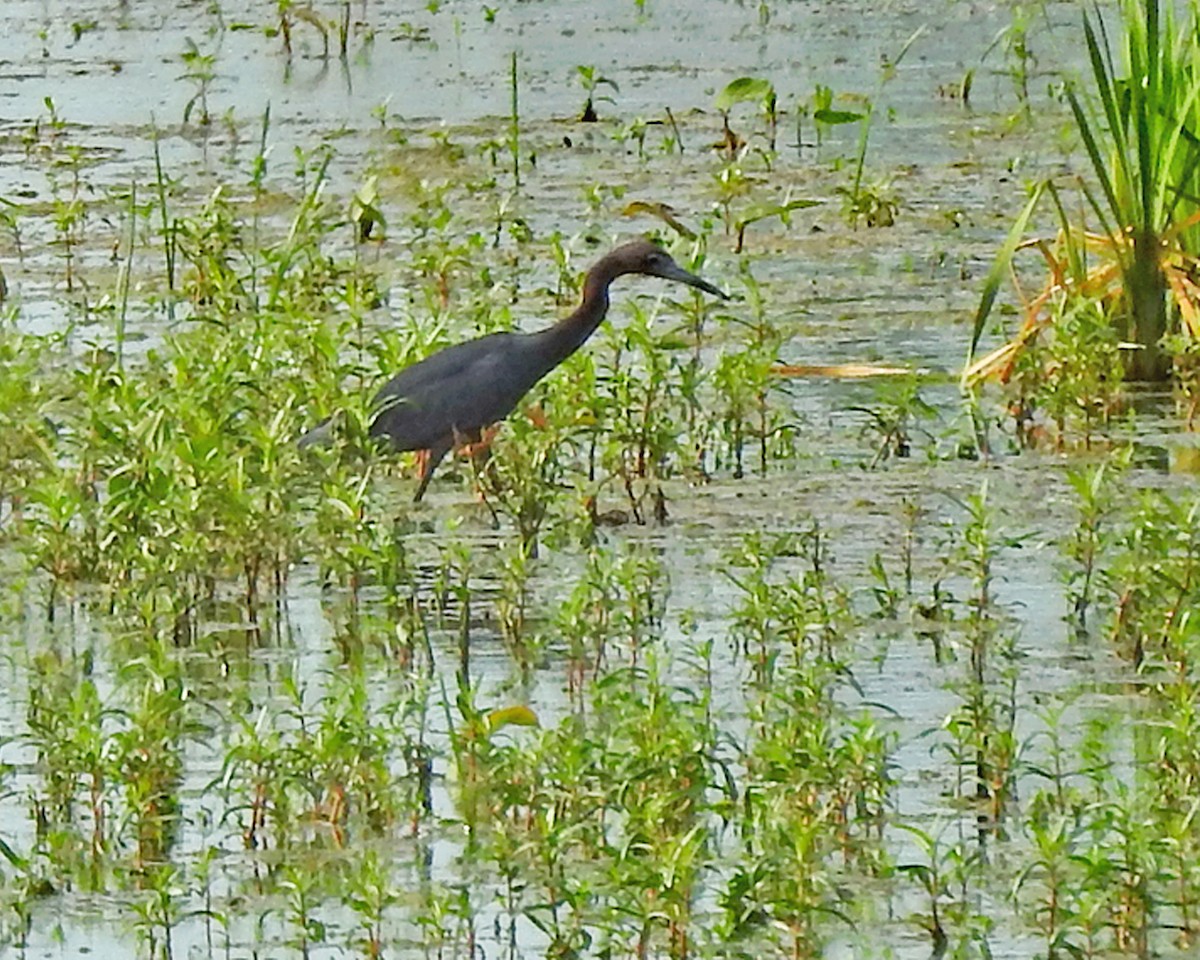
x=1132, y=261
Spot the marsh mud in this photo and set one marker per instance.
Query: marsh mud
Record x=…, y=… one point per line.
x=106, y=105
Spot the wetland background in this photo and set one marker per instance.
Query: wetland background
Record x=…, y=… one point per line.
x=757, y=635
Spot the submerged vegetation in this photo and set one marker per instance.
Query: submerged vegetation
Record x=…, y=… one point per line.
x=717, y=650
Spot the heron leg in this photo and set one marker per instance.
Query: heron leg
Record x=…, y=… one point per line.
x=478, y=445
x=432, y=457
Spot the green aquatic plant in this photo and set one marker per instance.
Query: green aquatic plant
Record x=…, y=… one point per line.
x=1093, y=486
x=1149, y=576
x=635, y=429
x=200, y=70
x=1134, y=120
x=301, y=884
x=24, y=882
x=981, y=730
x=900, y=408
x=371, y=892
x=65, y=160
x=732, y=185
x=28, y=382
x=1020, y=61
x=148, y=756
x=318, y=771
x=769, y=211
x=255, y=762
x=70, y=215
x=814, y=787
x=656, y=755
x=795, y=617
x=825, y=115
x=988, y=718
x=290, y=12
x=947, y=877
x=1054, y=870
x=1076, y=377
x=158, y=911
x=591, y=80
x=746, y=383
x=874, y=204
x=513, y=606
x=71, y=730
x=514, y=121
x=757, y=90
x=741, y=379
x=522, y=467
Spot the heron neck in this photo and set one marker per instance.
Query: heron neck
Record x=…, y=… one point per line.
x=571, y=332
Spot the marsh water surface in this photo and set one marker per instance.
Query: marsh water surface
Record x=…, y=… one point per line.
x=333, y=781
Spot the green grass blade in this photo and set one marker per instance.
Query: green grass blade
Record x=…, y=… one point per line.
x=1109, y=96
x=991, y=285
x=1099, y=167
x=1143, y=96
x=1122, y=251
x=1182, y=153
x=1076, y=253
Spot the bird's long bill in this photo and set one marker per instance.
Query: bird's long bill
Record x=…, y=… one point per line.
x=676, y=272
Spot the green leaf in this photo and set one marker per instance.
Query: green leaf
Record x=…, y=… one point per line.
x=991, y=285
x=834, y=117
x=744, y=90
x=12, y=856
x=756, y=213
x=364, y=209
x=519, y=716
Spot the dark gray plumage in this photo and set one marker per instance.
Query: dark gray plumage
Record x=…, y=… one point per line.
x=448, y=398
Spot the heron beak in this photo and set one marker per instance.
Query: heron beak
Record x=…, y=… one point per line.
x=676, y=272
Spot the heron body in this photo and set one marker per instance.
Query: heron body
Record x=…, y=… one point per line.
x=448, y=398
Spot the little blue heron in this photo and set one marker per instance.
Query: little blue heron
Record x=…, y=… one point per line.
x=448, y=398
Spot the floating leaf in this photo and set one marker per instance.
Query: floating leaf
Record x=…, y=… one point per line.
x=834, y=117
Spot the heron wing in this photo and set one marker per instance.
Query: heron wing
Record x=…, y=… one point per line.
x=456, y=391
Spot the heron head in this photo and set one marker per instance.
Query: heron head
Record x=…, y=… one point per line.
x=642, y=256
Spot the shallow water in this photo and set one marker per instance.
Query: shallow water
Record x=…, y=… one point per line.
x=900, y=295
